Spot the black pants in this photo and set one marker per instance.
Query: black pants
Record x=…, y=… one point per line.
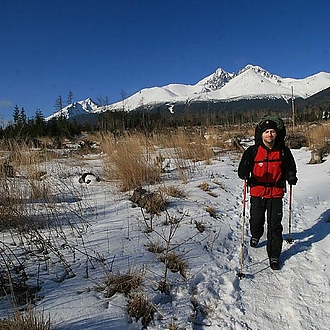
x=274, y=209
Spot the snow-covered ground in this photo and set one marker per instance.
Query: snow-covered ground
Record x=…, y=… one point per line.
x=211, y=296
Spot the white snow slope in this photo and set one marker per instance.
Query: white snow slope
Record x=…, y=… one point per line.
x=211, y=296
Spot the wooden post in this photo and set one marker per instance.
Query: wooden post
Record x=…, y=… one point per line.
x=293, y=111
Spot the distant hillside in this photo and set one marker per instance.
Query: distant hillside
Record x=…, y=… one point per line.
x=221, y=106
x=320, y=99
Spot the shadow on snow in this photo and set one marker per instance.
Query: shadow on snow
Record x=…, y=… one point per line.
x=303, y=241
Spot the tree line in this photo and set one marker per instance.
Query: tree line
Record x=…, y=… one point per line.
x=117, y=122
x=23, y=127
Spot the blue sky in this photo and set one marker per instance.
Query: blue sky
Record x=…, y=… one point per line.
x=102, y=48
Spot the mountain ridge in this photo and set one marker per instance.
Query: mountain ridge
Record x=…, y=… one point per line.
x=250, y=83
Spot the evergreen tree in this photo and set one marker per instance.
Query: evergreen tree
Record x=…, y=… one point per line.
x=16, y=115
x=70, y=98
x=58, y=103
x=39, y=123
x=22, y=117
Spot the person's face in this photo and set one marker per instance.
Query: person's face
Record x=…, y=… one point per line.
x=269, y=135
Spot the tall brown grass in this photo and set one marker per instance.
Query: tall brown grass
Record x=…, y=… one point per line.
x=130, y=161
x=187, y=145
x=135, y=159
x=318, y=136
x=29, y=320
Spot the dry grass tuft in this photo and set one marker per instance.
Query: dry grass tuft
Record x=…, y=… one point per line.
x=173, y=326
x=122, y=283
x=175, y=264
x=139, y=307
x=29, y=320
x=174, y=192
x=200, y=226
x=204, y=186
x=155, y=247
x=211, y=211
x=152, y=202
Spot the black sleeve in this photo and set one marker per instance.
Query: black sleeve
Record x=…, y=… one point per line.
x=289, y=164
x=246, y=164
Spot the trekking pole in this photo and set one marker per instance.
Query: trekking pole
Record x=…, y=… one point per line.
x=289, y=239
x=240, y=274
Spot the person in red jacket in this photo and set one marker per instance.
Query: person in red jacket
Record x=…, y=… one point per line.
x=267, y=166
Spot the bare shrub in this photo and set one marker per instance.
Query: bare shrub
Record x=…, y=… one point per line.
x=296, y=140
x=15, y=201
x=133, y=160
x=20, y=155
x=24, y=185
x=206, y=187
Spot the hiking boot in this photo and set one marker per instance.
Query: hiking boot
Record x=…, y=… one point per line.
x=274, y=263
x=254, y=242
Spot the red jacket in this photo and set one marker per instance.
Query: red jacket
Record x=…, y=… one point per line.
x=267, y=176
x=266, y=171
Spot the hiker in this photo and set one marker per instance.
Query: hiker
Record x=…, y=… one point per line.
x=266, y=166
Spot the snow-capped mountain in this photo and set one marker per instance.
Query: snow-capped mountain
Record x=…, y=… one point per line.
x=76, y=109
x=252, y=82
x=216, y=80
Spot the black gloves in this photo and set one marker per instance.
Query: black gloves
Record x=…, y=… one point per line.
x=292, y=179
x=244, y=174
x=244, y=170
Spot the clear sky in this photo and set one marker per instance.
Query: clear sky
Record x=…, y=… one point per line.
x=107, y=48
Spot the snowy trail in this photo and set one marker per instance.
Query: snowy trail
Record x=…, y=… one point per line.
x=297, y=296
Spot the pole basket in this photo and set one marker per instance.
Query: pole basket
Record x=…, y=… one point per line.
x=240, y=275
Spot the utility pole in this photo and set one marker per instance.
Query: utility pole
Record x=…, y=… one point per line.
x=293, y=111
